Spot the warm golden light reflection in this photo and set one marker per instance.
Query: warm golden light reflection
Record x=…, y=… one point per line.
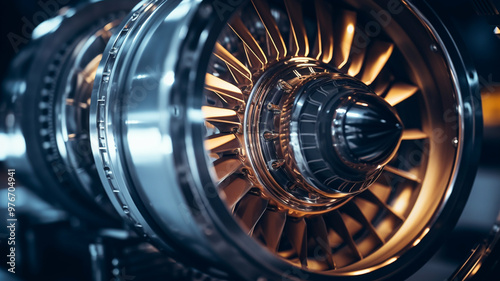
x=239, y=70
x=210, y=112
x=376, y=59
x=402, y=202
x=211, y=144
x=255, y=55
x=222, y=87
x=225, y=167
x=350, y=29
x=345, y=38
x=491, y=107
x=323, y=49
x=357, y=59
x=299, y=45
x=414, y=134
x=400, y=92
x=403, y=174
x=419, y=239
x=276, y=43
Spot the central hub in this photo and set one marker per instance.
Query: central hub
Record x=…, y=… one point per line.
x=316, y=137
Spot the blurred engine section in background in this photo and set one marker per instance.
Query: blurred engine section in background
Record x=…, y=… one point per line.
x=172, y=140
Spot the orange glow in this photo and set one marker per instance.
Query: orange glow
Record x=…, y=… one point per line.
x=241, y=70
x=376, y=59
x=222, y=87
x=211, y=144
x=402, y=202
x=255, y=55
x=491, y=107
x=400, y=92
x=346, y=37
x=414, y=134
x=210, y=112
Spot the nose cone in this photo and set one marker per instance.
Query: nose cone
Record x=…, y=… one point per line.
x=371, y=129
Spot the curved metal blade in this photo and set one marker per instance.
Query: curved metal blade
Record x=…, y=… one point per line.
x=250, y=209
x=234, y=187
x=400, y=92
x=222, y=143
x=240, y=72
x=414, y=134
x=369, y=196
x=296, y=230
x=323, y=48
x=255, y=55
x=299, y=43
x=346, y=28
x=319, y=233
x=222, y=87
x=271, y=227
x=276, y=45
x=376, y=58
x=357, y=59
x=335, y=221
x=352, y=210
x=403, y=174
x=226, y=166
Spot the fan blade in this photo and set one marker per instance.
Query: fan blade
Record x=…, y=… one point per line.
x=414, y=134
x=403, y=174
x=347, y=27
x=378, y=55
x=296, y=230
x=400, y=92
x=255, y=55
x=369, y=196
x=216, y=113
x=323, y=48
x=271, y=227
x=250, y=209
x=223, y=87
x=299, y=43
x=234, y=188
x=334, y=219
x=357, y=59
x=352, y=210
x=222, y=143
x=319, y=232
x=276, y=45
x=226, y=166
x=240, y=72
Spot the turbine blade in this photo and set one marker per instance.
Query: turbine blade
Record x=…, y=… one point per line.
x=296, y=230
x=222, y=143
x=323, y=48
x=400, y=92
x=378, y=55
x=345, y=36
x=255, y=55
x=334, y=219
x=299, y=43
x=250, y=209
x=222, y=87
x=414, y=134
x=241, y=73
x=271, y=227
x=226, y=166
x=276, y=45
x=234, y=188
x=403, y=174
x=319, y=233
